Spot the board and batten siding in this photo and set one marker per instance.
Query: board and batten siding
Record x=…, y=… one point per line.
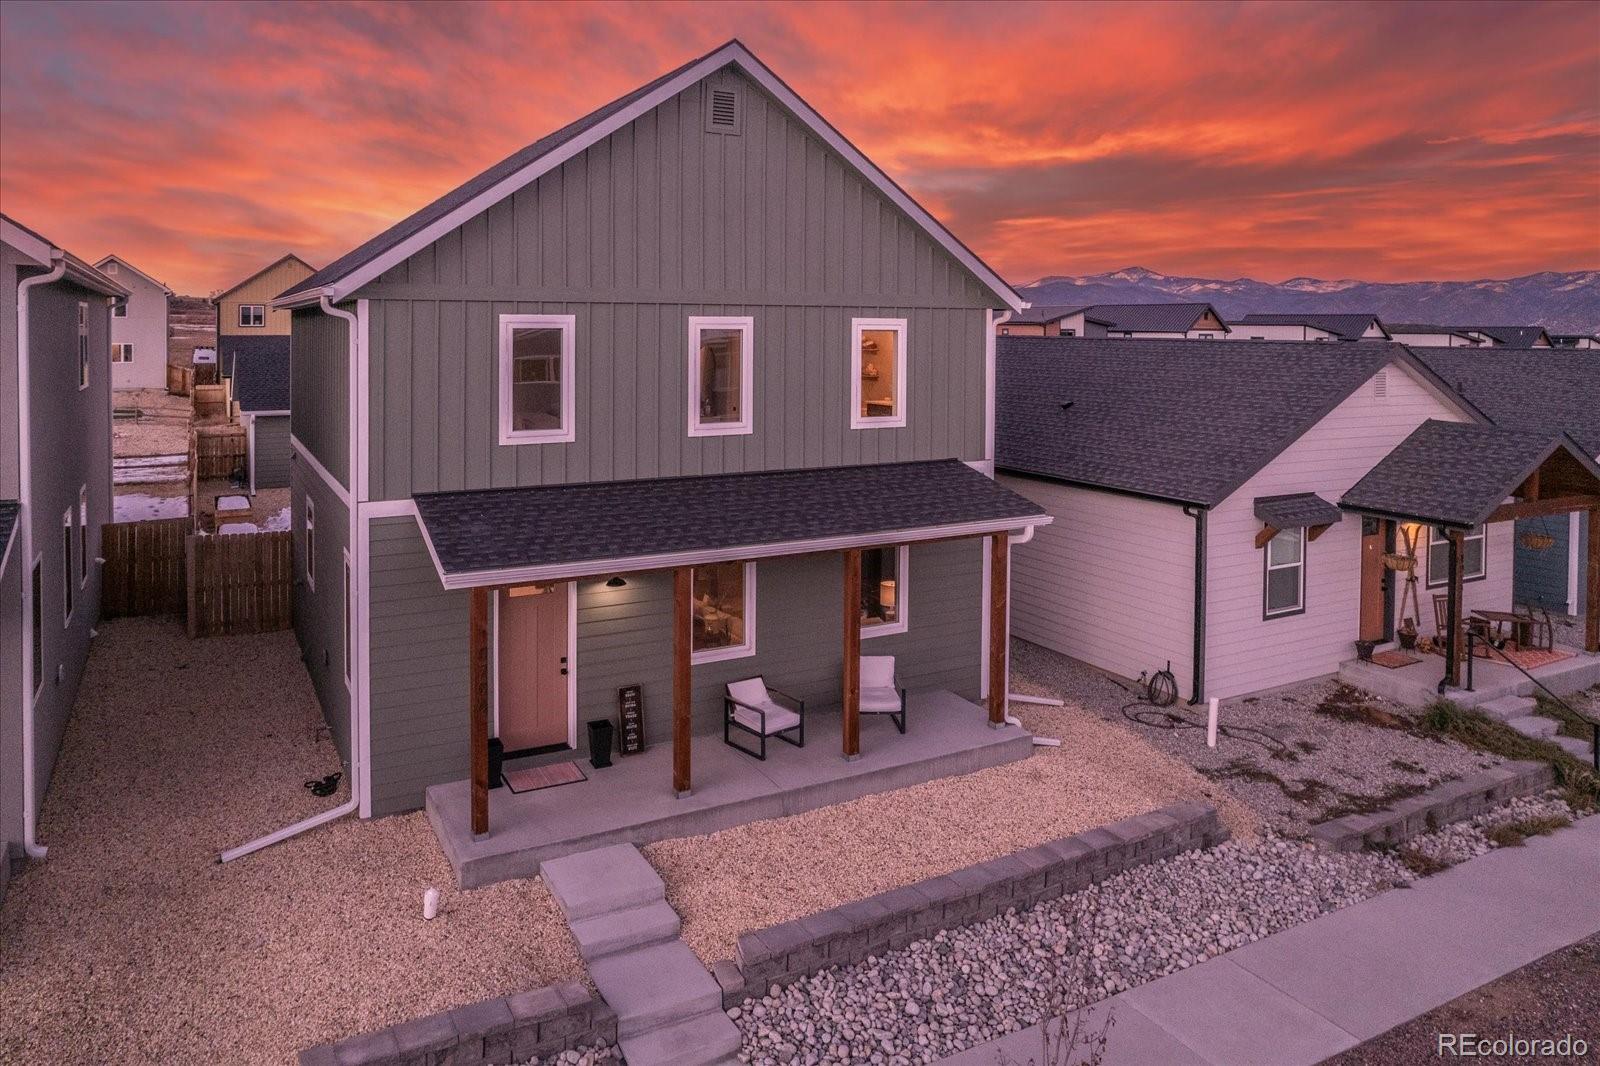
x=271, y=457
x=632, y=236
x=319, y=389
x=262, y=289
x=319, y=610
x=419, y=650
x=1247, y=653
x=1110, y=582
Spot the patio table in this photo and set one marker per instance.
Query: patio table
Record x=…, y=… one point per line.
x=1520, y=626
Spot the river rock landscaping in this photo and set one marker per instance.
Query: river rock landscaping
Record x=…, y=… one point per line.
x=1505, y=826
x=595, y=1055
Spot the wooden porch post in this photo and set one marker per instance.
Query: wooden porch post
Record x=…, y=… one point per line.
x=850, y=707
x=682, y=641
x=1453, y=649
x=999, y=572
x=1591, y=609
x=478, y=687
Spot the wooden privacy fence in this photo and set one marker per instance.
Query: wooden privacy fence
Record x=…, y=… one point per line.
x=218, y=451
x=144, y=569
x=180, y=380
x=210, y=402
x=240, y=583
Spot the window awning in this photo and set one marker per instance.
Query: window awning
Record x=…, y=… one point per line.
x=557, y=532
x=1297, y=510
x=1461, y=474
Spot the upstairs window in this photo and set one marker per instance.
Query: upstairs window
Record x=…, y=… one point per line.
x=83, y=345
x=883, y=590
x=83, y=536
x=122, y=353
x=1474, y=562
x=536, y=379
x=37, y=595
x=724, y=611
x=66, y=567
x=721, y=375
x=252, y=314
x=877, y=373
x=119, y=309
x=1286, y=574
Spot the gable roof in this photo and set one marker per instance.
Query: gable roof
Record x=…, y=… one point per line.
x=1039, y=316
x=101, y=265
x=1456, y=473
x=359, y=266
x=1540, y=389
x=261, y=380
x=1512, y=336
x=42, y=249
x=1171, y=419
x=217, y=296
x=1397, y=329
x=1570, y=340
x=1152, y=318
x=1345, y=327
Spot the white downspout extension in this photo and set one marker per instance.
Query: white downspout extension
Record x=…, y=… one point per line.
x=1011, y=719
x=351, y=805
x=30, y=818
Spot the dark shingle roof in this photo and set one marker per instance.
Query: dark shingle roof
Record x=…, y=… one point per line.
x=1454, y=473
x=1151, y=318
x=1397, y=328
x=1170, y=419
x=596, y=522
x=1296, y=511
x=261, y=381
x=1038, y=316
x=1547, y=390
x=1570, y=340
x=230, y=347
x=8, y=523
x=1345, y=327
x=1511, y=336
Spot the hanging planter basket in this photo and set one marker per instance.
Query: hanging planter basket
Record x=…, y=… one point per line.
x=1397, y=561
x=1537, y=542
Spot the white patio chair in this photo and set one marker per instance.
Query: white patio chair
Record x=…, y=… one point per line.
x=751, y=707
x=879, y=693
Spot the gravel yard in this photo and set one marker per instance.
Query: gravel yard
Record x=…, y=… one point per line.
x=756, y=875
x=130, y=944
x=1298, y=756
x=161, y=429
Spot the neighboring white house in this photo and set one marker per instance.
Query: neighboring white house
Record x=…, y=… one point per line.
x=1184, y=321
x=138, y=327
x=1313, y=327
x=1433, y=336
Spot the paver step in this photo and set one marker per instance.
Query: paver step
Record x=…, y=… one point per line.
x=1580, y=749
x=707, y=1039
x=655, y=986
x=601, y=881
x=1534, y=725
x=635, y=927
x=1506, y=708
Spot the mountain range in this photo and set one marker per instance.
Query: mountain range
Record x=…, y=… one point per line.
x=1562, y=302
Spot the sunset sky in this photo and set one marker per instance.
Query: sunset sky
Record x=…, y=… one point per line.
x=1388, y=142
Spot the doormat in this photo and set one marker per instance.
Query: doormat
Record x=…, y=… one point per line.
x=1394, y=660
x=536, y=777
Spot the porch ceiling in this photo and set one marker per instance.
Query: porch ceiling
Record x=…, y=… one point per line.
x=556, y=532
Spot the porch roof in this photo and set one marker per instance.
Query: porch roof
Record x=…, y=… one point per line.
x=556, y=532
x=1459, y=474
x=1296, y=511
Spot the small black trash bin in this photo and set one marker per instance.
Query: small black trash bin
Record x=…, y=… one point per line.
x=600, y=733
x=497, y=760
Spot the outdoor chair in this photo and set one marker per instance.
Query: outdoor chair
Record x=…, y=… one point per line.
x=751, y=707
x=1441, y=624
x=879, y=694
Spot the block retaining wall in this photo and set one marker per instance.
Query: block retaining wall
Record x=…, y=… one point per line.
x=510, y=1029
x=850, y=933
x=1453, y=801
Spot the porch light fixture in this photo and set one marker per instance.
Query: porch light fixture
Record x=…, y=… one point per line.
x=615, y=583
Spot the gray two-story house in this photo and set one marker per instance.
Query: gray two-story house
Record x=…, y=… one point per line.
x=685, y=393
x=55, y=493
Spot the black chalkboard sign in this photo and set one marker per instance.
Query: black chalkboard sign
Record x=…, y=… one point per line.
x=630, y=713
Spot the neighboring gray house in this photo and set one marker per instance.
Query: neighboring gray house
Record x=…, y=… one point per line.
x=1175, y=321
x=138, y=327
x=1297, y=327
x=628, y=408
x=261, y=396
x=55, y=493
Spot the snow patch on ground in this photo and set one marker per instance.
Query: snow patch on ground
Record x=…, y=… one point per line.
x=139, y=507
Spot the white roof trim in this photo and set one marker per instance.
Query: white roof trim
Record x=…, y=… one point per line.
x=732, y=52
x=123, y=262
x=33, y=247
x=744, y=553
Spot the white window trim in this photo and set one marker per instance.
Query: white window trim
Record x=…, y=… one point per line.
x=252, y=325
x=567, y=432
x=737, y=651
x=1443, y=580
x=902, y=621
x=310, y=541
x=122, y=352
x=36, y=627
x=746, y=325
x=349, y=634
x=83, y=345
x=69, y=602
x=83, y=536
x=858, y=326
x=1299, y=604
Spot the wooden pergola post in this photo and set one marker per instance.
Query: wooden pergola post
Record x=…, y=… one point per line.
x=1591, y=610
x=478, y=687
x=850, y=707
x=1452, y=644
x=682, y=642
x=999, y=573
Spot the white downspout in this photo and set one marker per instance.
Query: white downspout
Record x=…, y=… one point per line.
x=351, y=805
x=30, y=817
x=1011, y=719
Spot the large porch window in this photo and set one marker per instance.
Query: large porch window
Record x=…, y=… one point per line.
x=883, y=590
x=1286, y=574
x=721, y=375
x=724, y=611
x=1474, y=558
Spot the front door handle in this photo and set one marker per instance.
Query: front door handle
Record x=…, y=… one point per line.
x=563, y=671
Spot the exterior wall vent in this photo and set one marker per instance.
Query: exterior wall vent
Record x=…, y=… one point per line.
x=723, y=113
x=1380, y=384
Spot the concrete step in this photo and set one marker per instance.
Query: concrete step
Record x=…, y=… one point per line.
x=624, y=930
x=598, y=882
x=656, y=986
x=707, y=1039
x=1578, y=749
x=1534, y=725
x=1506, y=708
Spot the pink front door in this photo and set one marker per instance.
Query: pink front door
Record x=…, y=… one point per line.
x=533, y=663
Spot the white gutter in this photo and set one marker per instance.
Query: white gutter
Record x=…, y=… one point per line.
x=351, y=805
x=30, y=819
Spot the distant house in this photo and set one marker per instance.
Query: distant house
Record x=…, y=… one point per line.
x=55, y=493
x=1433, y=336
x=1052, y=322
x=1183, y=321
x=1290, y=327
x=246, y=320
x=1513, y=336
x=261, y=401
x=138, y=327
x=1575, y=340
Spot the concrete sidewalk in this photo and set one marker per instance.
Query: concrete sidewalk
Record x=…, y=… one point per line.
x=1309, y=992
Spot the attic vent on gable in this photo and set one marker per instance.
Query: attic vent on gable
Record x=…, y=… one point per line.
x=723, y=111
x=1380, y=384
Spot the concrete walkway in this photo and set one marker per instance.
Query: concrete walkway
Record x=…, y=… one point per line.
x=1309, y=992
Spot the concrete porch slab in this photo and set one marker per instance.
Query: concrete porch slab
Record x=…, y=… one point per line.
x=1417, y=685
x=632, y=801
